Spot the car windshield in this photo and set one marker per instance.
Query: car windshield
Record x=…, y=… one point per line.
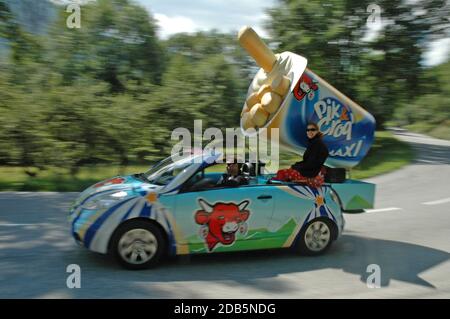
x=166, y=170
x=165, y=162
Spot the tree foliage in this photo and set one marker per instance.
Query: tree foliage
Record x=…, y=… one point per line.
x=112, y=92
x=382, y=69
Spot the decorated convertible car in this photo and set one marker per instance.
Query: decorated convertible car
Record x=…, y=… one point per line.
x=180, y=208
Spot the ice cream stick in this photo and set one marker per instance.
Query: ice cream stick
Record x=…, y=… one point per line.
x=257, y=49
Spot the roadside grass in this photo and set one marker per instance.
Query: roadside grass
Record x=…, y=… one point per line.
x=387, y=154
x=57, y=179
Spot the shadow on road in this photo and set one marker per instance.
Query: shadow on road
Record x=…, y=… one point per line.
x=39, y=269
x=352, y=254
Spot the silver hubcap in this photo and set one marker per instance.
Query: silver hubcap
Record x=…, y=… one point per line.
x=137, y=246
x=317, y=236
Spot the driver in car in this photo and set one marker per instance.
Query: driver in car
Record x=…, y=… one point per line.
x=234, y=176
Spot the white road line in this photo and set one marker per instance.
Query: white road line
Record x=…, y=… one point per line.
x=382, y=209
x=439, y=201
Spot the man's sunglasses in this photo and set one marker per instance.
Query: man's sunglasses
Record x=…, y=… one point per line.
x=311, y=130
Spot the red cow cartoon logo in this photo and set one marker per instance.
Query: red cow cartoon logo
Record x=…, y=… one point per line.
x=221, y=221
x=305, y=85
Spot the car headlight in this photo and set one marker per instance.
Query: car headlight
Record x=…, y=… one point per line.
x=104, y=201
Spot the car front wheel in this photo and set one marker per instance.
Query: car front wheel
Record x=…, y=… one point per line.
x=138, y=245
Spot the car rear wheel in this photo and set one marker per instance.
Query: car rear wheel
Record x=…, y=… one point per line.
x=316, y=237
x=138, y=245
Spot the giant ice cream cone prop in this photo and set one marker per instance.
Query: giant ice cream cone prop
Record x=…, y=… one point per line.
x=285, y=94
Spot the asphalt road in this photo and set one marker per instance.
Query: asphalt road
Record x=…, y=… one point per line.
x=407, y=235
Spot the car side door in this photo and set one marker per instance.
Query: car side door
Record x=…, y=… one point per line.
x=225, y=218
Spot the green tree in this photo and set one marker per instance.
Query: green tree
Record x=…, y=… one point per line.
x=116, y=43
x=379, y=73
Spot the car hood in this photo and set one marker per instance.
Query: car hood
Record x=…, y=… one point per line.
x=132, y=184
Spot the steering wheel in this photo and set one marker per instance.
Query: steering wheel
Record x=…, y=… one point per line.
x=205, y=183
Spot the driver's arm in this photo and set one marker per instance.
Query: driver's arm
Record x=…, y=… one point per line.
x=229, y=182
x=221, y=180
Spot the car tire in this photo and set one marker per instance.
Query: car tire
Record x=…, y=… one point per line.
x=138, y=244
x=316, y=237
